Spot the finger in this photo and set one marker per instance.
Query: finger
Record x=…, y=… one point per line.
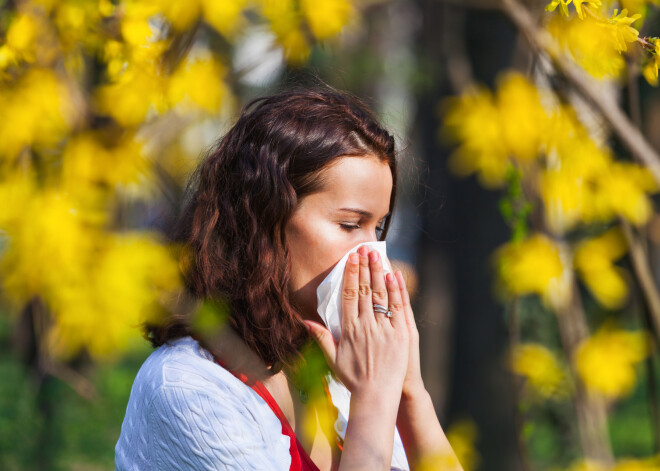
x=405, y=298
x=395, y=303
x=378, y=288
x=365, y=303
x=325, y=341
x=349, y=290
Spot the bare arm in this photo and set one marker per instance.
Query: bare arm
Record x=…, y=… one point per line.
x=369, y=436
x=418, y=424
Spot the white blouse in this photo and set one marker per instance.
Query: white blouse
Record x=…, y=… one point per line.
x=186, y=412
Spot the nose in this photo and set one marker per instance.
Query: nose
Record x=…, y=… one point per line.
x=372, y=237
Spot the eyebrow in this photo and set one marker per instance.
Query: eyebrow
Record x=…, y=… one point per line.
x=361, y=212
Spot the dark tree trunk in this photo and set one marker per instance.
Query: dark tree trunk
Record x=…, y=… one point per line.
x=463, y=330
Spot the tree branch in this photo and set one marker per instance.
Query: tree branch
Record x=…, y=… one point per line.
x=542, y=42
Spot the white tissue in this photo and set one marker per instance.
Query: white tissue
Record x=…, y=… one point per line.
x=328, y=296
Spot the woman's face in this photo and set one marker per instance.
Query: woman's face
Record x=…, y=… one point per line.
x=349, y=209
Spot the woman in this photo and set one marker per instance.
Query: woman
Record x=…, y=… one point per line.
x=303, y=177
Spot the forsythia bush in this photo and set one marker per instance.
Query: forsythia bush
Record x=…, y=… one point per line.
x=532, y=142
x=97, y=99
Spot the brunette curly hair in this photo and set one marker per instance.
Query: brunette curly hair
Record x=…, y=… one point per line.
x=240, y=198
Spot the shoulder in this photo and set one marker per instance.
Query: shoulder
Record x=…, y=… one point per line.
x=181, y=370
x=182, y=363
x=184, y=406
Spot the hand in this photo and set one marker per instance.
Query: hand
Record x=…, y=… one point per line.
x=372, y=353
x=413, y=383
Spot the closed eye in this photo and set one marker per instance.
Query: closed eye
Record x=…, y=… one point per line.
x=352, y=227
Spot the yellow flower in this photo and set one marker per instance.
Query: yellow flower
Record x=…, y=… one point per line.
x=570, y=186
x=594, y=260
x=78, y=23
x=578, y=6
x=541, y=368
x=522, y=118
x=461, y=435
x=650, y=70
x=8, y=57
x=16, y=190
x=134, y=18
x=619, y=26
x=326, y=18
x=106, y=8
x=563, y=200
x=626, y=186
x=180, y=14
x=626, y=464
x=35, y=111
x=224, y=16
x=635, y=6
x=606, y=360
x=89, y=161
x=48, y=244
x=318, y=416
x=198, y=84
x=563, y=4
x=494, y=131
x=22, y=35
x=129, y=283
x=590, y=43
x=583, y=183
x=285, y=21
x=535, y=266
x=646, y=464
x=586, y=465
x=562, y=131
x=31, y=38
x=136, y=93
x=472, y=119
x=445, y=461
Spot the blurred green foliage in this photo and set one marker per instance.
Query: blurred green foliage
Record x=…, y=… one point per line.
x=48, y=425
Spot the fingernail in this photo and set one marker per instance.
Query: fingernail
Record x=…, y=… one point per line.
x=373, y=256
x=353, y=258
x=389, y=277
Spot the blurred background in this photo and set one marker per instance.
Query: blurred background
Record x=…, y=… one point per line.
x=529, y=139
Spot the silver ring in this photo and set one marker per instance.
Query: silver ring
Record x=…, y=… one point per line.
x=382, y=310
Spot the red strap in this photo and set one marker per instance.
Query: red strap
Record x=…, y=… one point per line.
x=300, y=460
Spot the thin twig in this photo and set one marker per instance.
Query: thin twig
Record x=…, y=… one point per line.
x=591, y=412
x=49, y=366
x=68, y=375
x=643, y=271
x=518, y=416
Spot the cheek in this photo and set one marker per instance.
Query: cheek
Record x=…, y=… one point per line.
x=314, y=249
